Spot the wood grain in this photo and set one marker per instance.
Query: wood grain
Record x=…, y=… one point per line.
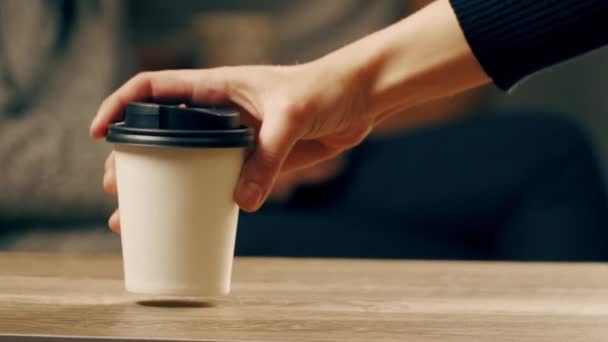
x=313, y=300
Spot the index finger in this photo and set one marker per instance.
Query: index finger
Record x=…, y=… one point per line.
x=175, y=86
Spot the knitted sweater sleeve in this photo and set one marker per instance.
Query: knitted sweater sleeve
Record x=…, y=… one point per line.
x=515, y=38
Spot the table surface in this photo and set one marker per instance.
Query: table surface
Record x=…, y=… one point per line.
x=44, y=295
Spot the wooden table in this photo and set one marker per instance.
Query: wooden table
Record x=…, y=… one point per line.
x=311, y=300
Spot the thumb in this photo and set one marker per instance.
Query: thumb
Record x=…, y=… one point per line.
x=275, y=140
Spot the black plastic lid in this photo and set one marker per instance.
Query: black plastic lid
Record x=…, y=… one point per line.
x=165, y=125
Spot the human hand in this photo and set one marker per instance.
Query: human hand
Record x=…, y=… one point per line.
x=300, y=119
x=109, y=185
x=311, y=112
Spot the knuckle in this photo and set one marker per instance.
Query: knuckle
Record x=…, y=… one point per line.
x=141, y=76
x=262, y=169
x=267, y=161
x=296, y=109
x=291, y=106
x=141, y=79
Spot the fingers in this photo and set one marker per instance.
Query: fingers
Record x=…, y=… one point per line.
x=307, y=153
x=109, y=163
x=109, y=177
x=109, y=185
x=114, y=222
x=275, y=140
x=174, y=86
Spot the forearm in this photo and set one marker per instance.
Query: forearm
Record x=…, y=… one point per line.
x=418, y=59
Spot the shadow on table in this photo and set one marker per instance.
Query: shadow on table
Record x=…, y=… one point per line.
x=176, y=303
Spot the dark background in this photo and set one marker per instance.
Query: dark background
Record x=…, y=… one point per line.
x=485, y=175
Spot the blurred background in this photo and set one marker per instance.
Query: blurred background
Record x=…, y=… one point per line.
x=485, y=175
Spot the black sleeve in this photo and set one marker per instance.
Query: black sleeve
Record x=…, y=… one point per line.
x=515, y=38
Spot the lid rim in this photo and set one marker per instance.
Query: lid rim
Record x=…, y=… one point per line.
x=120, y=126
x=239, y=140
x=166, y=125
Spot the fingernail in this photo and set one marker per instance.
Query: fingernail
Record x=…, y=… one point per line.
x=114, y=222
x=249, y=195
x=107, y=178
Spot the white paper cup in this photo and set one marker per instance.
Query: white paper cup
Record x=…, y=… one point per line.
x=178, y=217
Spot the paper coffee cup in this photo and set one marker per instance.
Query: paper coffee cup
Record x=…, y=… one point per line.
x=177, y=170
